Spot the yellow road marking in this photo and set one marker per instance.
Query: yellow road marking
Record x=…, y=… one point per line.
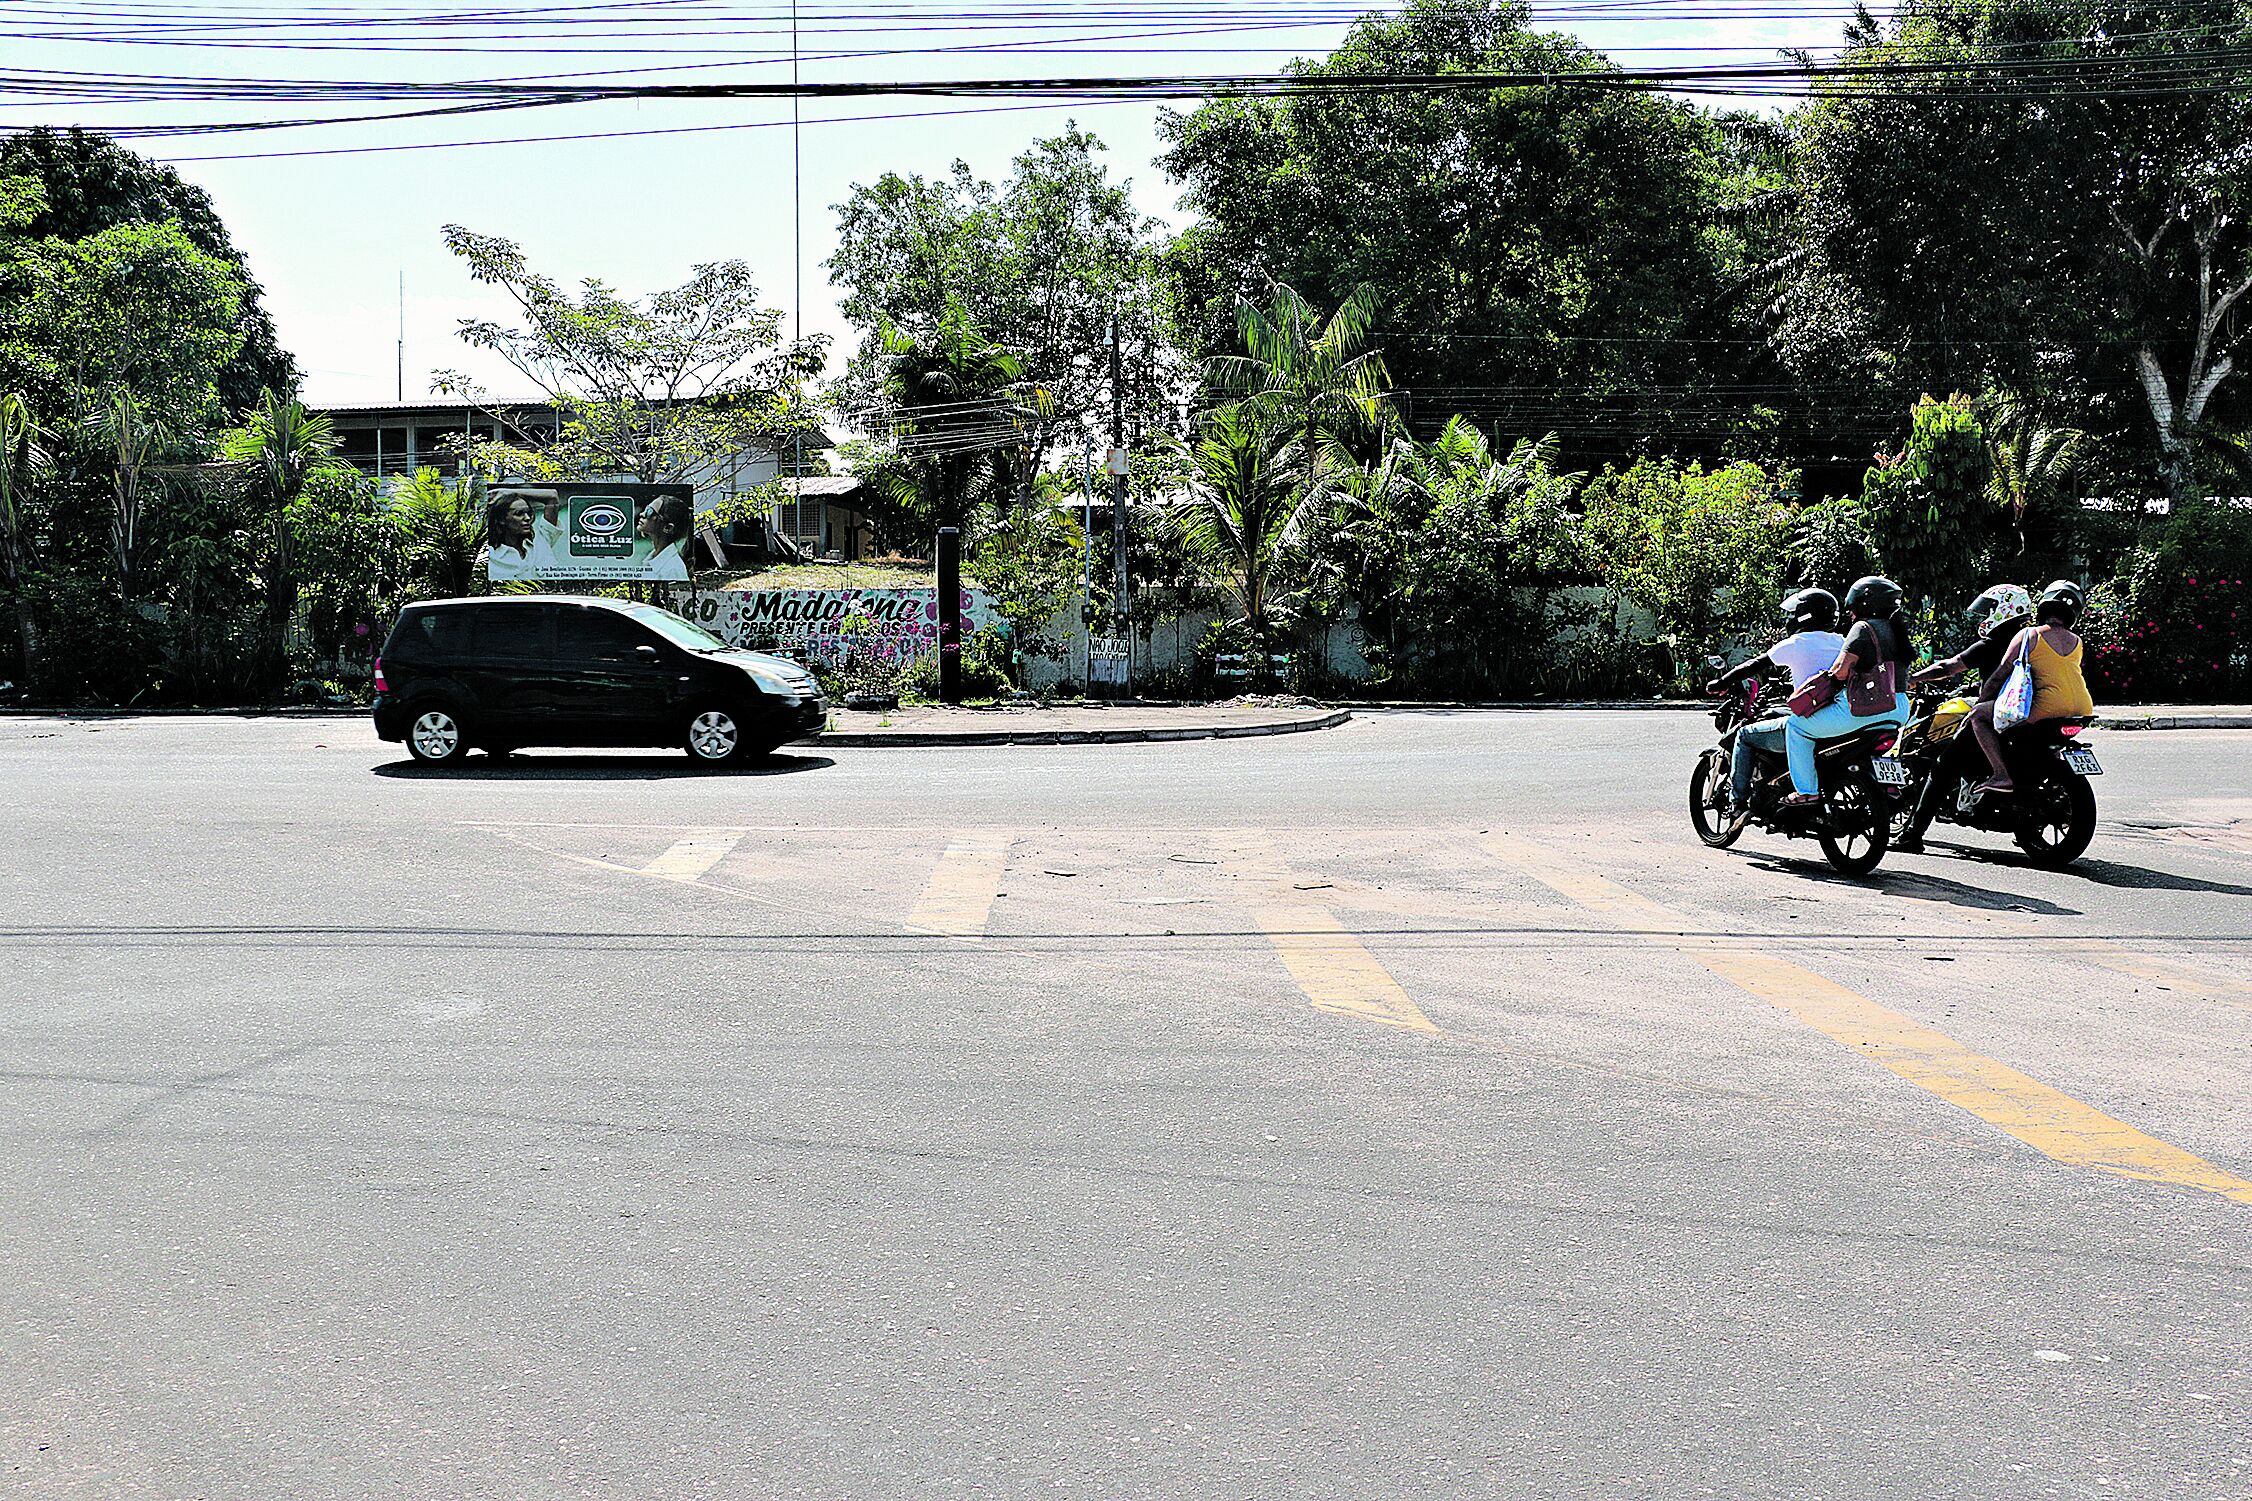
x=2044, y=1118
x=2104, y=953
x=959, y=897
x=688, y=859
x=1335, y=969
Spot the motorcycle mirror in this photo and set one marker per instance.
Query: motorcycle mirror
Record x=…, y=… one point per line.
x=1716, y=661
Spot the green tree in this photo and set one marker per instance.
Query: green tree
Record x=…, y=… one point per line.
x=88, y=183
x=1701, y=549
x=2031, y=210
x=957, y=438
x=1929, y=512
x=1314, y=383
x=1532, y=248
x=282, y=447
x=443, y=527
x=1247, y=508
x=20, y=457
x=1042, y=264
x=658, y=389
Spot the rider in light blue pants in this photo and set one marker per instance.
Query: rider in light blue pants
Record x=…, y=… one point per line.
x=1827, y=723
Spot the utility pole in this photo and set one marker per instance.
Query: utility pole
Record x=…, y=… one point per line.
x=1117, y=466
x=401, y=394
x=949, y=615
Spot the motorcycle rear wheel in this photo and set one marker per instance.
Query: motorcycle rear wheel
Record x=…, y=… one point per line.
x=1707, y=780
x=2056, y=819
x=1856, y=827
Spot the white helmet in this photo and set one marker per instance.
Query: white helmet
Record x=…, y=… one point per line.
x=1999, y=605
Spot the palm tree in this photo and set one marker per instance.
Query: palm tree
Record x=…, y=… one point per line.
x=2032, y=465
x=1316, y=383
x=1247, y=511
x=442, y=527
x=20, y=455
x=958, y=418
x=283, y=445
x=130, y=439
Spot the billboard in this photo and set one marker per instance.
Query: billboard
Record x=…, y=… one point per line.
x=594, y=530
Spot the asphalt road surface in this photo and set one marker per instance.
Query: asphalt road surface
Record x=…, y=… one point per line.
x=1412, y=1109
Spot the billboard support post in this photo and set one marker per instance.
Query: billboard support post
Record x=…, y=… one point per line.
x=949, y=615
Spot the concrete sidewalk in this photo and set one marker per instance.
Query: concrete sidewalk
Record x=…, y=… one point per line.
x=2175, y=717
x=1075, y=724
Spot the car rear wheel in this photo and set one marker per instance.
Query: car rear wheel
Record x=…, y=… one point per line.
x=718, y=736
x=436, y=737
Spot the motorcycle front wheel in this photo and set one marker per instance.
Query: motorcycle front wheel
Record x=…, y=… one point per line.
x=2056, y=819
x=1708, y=786
x=1856, y=827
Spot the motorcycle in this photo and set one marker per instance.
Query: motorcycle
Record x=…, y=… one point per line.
x=1853, y=821
x=2051, y=809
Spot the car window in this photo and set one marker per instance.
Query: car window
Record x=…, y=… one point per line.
x=512, y=633
x=676, y=630
x=432, y=633
x=581, y=633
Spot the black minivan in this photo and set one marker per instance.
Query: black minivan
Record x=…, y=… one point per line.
x=516, y=670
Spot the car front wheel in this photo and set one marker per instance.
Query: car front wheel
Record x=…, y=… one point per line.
x=435, y=736
x=718, y=736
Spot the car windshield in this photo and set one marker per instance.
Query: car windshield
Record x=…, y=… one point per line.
x=676, y=630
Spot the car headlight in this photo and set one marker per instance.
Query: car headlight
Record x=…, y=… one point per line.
x=784, y=682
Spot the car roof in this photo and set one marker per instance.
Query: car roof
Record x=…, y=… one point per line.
x=620, y=605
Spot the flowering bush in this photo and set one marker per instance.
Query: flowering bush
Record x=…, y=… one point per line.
x=2176, y=624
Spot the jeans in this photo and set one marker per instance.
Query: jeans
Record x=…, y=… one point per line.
x=1827, y=723
x=1765, y=735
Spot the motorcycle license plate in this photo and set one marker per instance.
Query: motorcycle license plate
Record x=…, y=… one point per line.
x=1889, y=772
x=2083, y=762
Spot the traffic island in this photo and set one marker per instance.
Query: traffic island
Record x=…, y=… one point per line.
x=1074, y=724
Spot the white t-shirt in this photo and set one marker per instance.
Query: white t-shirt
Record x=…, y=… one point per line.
x=1806, y=654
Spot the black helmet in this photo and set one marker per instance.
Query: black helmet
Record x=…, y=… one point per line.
x=1873, y=598
x=1811, y=609
x=2061, y=603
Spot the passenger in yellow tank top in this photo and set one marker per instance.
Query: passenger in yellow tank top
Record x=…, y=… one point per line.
x=2051, y=652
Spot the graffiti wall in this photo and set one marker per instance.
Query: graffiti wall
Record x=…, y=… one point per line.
x=827, y=625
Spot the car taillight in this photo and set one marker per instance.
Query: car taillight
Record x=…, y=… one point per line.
x=380, y=685
x=2068, y=729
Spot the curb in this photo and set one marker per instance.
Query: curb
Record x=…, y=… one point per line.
x=2177, y=722
x=910, y=739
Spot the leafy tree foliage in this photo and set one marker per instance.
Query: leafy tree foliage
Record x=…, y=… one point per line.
x=1041, y=265
x=1531, y=248
x=1928, y=511
x=657, y=388
x=2071, y=240
x=88, y=183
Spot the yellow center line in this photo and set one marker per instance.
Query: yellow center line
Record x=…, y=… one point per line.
x=1332, y=966
x=2044, y=1118
x=958, y=899
x=689, y=858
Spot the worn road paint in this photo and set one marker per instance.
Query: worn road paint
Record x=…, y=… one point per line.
x=958, y=899
x=1334, y=968
x=2044, y=1118
x=691, y=857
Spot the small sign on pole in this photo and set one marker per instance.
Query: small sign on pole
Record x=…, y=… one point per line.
x=1114, y=463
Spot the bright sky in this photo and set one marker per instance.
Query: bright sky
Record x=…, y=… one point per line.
x=330, y=235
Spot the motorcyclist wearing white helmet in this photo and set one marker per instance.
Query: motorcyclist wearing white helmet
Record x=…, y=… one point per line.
x=1997, y=615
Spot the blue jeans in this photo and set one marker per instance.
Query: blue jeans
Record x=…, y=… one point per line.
x=1765, y=735
x=1827, y=723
